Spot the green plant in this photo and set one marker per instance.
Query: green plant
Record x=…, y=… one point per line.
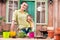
x=21, y=34
x=2, y=19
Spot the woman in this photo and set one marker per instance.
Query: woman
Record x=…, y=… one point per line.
x=21, y=17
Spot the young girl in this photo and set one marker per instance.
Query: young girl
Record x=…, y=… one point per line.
x=28, y=29
x=30, y=20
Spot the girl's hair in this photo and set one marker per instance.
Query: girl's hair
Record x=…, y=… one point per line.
x=30, y=16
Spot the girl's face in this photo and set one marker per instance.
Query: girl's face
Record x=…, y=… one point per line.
x=29, y=18
x=24, y=6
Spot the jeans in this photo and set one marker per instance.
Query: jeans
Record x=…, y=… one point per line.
x=26, y=30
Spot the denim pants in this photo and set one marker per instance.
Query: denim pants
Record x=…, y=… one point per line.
x=26, y=30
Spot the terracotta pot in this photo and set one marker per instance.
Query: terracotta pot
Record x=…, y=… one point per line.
x=57, y=33
x=51, y=34
x=57, y=37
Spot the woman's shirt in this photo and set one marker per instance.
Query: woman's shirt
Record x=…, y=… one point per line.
x=20, y=19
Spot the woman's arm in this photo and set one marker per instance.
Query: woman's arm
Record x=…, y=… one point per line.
x=14, y=17
x=12, y=26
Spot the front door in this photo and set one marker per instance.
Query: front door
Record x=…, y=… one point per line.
x=31, y=8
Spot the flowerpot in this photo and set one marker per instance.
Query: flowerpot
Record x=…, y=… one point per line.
x=57, y=37
x=31, y=34
x=51, y=34
x=57, y=31
x=6, y=34
x=13, y=34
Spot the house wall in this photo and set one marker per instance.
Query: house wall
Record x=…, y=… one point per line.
x=51, y=12
x=50, y=16
x=50, y=20
x=3, y=14
x=59, y=14
x=2, y=9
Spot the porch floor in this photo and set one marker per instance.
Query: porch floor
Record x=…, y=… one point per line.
x=24, y=38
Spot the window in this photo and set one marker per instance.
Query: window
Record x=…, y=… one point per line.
x=41, y=12
x=11, y=6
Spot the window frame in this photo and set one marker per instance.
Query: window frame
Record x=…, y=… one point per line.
x=46, y=12
x=7, y=10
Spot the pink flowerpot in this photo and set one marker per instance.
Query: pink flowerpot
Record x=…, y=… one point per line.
x=31, y=34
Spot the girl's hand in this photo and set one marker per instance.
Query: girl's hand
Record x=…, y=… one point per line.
x=29, y=21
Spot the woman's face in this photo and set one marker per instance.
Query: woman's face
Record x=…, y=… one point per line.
x=24, y=6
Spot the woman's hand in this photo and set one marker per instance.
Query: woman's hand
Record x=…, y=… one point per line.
x=12, y=26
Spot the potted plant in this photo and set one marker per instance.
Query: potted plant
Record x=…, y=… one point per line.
x=1, y=24
x=31, y=34
x=50, y=32
x=4, y=24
